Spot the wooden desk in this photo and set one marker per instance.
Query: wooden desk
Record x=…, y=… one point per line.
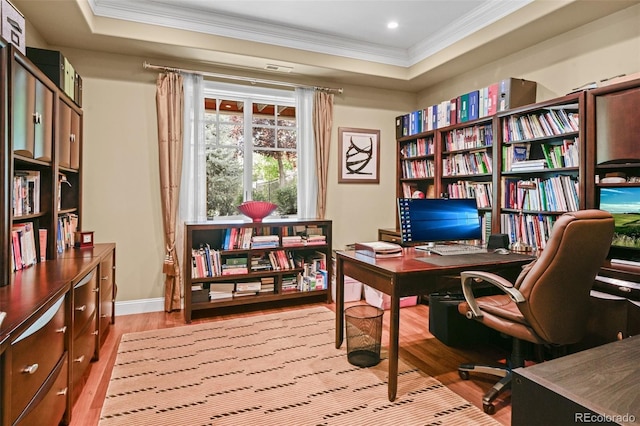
x=415, y=273
x=598, y=386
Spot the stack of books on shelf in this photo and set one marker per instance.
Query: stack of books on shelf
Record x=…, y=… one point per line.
x=292, y=240
x=23, y=246
x=519, y=166
x=221, y=291
x=265, y=241
x=315, y=240
x=267, y=285
x=26, y=192
x=248, y=288
x=261, y=263
x=289, y=283
x=235, y=266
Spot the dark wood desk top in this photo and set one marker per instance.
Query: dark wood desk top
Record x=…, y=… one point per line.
x=414, y=260
x=604, y=379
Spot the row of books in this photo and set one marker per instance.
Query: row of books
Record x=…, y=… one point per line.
x=469, y=138
x=418, y=147
x=481, y=191
x=65, y=235
x=516, y=156
x=487, y=101
x=417, y=168
x=244, y=238
x=26, y=192
x=550, y=122
x=556, y=194
x=530, y=229
x=24, y=252
x=471, y=163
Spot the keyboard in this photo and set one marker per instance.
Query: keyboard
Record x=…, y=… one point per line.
x=451, y=249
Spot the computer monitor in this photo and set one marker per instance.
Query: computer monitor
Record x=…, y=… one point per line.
x=427, y=220
x=623, y=202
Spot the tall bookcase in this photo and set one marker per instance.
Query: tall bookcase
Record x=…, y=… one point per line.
x=42, y=182
x=243, y=264
x=541, y=167
x=475, y=159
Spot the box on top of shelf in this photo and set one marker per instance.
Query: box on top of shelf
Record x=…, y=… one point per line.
x=13, y=25
x=58, y=68
x=516, y=92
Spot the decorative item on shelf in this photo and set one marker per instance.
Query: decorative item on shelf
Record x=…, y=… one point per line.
x=84, y=239
x=614, y=177
x=257, y=210
x=520, y=246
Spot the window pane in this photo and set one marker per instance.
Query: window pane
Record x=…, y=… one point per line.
x=275, y=179
x=263, y=137
x=224, y=181
x=264, y=114
x=287, y=139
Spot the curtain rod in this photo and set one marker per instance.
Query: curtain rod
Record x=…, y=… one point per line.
x=147, y=65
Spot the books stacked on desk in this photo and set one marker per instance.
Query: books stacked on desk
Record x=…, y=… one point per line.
x=379, y=249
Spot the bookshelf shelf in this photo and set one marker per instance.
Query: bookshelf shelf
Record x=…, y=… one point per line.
x=295, y=271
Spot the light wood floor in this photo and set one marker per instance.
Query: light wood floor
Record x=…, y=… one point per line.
x=417, y=346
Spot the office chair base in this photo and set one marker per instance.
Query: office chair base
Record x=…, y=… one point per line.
x=497, y=389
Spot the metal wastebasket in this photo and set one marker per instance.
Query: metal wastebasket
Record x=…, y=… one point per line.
x=364, y=334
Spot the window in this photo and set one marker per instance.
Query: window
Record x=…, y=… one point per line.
x=250, y=149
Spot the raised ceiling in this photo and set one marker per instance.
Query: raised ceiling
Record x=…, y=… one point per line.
x=338, y=42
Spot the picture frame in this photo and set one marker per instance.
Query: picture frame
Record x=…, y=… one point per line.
x=359, y=155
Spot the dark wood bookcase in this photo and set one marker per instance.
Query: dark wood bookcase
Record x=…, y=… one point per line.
x=303, y=260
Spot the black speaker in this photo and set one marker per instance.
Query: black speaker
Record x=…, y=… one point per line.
x=497, y=241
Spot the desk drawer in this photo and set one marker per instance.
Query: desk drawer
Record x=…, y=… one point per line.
x=34, y=354
x=84, y=301
x=51, y=408
x=84, y=347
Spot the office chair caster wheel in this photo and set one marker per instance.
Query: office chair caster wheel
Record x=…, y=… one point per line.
x=489, y=408
x=464, y=375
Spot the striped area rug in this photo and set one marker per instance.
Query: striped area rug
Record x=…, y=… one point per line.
x=276, y=369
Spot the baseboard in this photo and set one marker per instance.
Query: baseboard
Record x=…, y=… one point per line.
x=140, y=306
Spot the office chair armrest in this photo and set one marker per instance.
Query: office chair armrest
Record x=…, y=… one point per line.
x=468, y=278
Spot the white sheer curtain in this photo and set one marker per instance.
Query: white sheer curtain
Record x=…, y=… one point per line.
x=307, y=175
x=193, y=189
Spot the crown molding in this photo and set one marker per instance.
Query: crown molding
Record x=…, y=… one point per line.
x=163, y=14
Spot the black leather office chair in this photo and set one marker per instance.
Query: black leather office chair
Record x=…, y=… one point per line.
x=549, y=302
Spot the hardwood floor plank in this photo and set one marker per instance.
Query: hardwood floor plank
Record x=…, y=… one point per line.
x=417, y=346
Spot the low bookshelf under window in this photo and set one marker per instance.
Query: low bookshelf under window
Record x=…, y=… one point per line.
x=243, y=264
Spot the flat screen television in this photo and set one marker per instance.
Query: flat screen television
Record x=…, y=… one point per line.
x=623, y=202
x=428, y=220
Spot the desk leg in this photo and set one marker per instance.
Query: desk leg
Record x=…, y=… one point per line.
x=339, y=302
x=394, y=328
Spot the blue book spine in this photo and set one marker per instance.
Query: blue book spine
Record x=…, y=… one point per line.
x=474, y=104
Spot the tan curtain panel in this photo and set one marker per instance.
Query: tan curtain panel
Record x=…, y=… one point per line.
x=170, y=108
x=322, y=126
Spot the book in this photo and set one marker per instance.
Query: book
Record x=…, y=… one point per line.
x=379, y=249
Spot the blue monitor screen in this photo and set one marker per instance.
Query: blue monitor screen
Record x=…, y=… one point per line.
x=439, y=219
x=623, y=202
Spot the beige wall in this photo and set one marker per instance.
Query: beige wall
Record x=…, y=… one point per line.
x=121, y=197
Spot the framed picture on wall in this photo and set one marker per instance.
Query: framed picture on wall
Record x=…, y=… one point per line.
x=359, y=151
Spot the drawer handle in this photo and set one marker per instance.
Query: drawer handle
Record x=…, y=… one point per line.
x=80, y=359
x=96, y=290
x=62, y=392
x=62, y=329
x=81, y=308
x=105, y=278
x=30, y=369
x=95, y=332
x=37, y=118
x=103, y=316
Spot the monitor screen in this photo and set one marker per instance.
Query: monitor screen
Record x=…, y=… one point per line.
x=623, y=202
x=439, y=219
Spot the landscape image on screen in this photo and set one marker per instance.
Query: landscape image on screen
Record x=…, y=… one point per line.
x=624, y=204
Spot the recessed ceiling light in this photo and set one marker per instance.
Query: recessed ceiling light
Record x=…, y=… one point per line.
x=392, y=25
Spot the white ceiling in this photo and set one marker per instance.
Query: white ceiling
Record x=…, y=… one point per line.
x=330, y=42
